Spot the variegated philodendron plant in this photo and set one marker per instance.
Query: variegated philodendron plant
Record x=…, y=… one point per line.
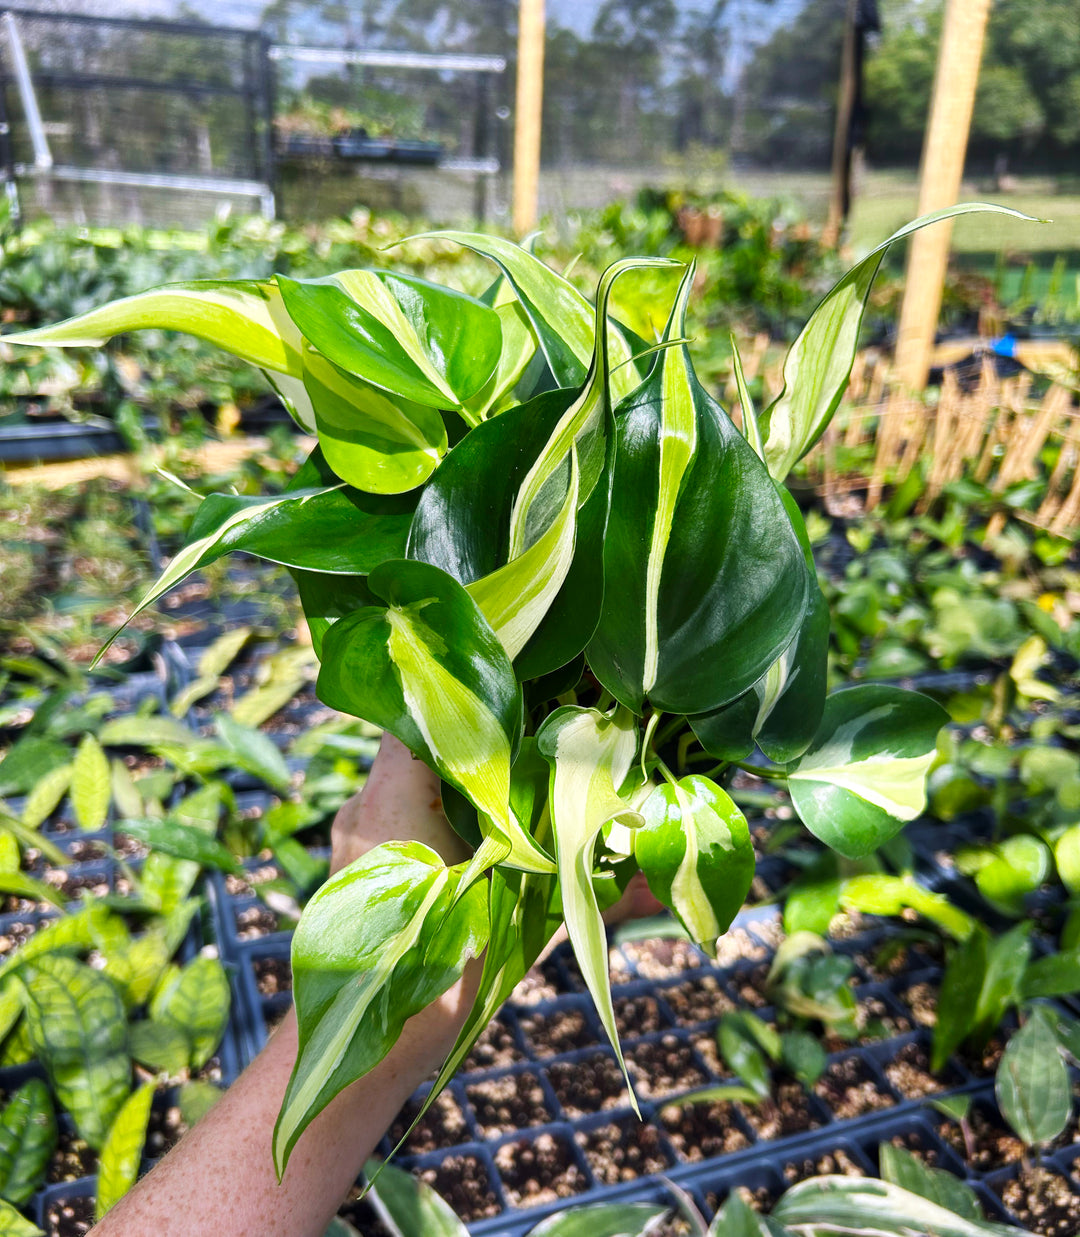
x=532, y=546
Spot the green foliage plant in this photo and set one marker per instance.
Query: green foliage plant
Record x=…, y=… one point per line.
x=533, y=547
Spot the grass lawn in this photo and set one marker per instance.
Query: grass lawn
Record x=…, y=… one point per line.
x=984, y=242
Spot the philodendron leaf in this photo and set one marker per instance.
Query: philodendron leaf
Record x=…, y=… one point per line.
x=1032, y=1082
x=518, y=349
x=411, y=1205
x=704, y=579
x=822, y=1206
x=90, y=785
x=317, y=524
x=378, y=942
x=28, y=1136
x=195, y=1001
x=410, y=338
x=864, y=776
x=517, y=514
x=900, y=1167
x=694, y=848
x=819, y=362
x=602, y=1220
x=242, y=316
x=425, y=665
x=381, y=443
x=122, y=1152
x=561, y=317
x=782, y=711
x=590, y=755
x=521, y=921
x=78, y=1029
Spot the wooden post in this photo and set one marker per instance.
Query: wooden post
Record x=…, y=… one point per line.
x=841, y=155
x=944, y=148
x=527, y=117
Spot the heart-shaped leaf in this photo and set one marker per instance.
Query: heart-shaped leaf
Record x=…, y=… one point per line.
x=694, y=848
x=425, y=665
x=704, y=579
x=378, y=942
x=864, y=775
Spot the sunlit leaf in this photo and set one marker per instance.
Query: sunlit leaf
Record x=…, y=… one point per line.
x=694, y=848
x=118, y=1167
x=819, y=362
x=78, y=1027
x=590, y=755
x=864, y=775
x=379, y=941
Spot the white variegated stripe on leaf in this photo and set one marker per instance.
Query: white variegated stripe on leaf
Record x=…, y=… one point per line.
x=694, y=848
x=819, y=362
x=823, y=1206
x=203, y=550
x=751, y=428
x=377, y=442
x=461, y=732
x=590, y=754
x=516, y=597
x=238, y=316
x=376, y=944
x=678, y=442
x=520, y=925
x=563, y=320
x=582, y=424
x=427, y=666
x=518, y=349
x=367, y=289
x=864, y=775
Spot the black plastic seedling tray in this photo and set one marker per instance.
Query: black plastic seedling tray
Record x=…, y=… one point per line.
x=562, y=1144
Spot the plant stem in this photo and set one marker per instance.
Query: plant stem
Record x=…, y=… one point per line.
x=669, y=776
x=759, y=771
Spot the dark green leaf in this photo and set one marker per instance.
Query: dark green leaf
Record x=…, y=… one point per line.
x=704, y=579
x=960, y=988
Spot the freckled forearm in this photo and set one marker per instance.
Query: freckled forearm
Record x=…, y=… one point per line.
x=220, y=1182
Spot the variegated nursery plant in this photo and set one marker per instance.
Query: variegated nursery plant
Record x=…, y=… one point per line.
x=531, y=545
